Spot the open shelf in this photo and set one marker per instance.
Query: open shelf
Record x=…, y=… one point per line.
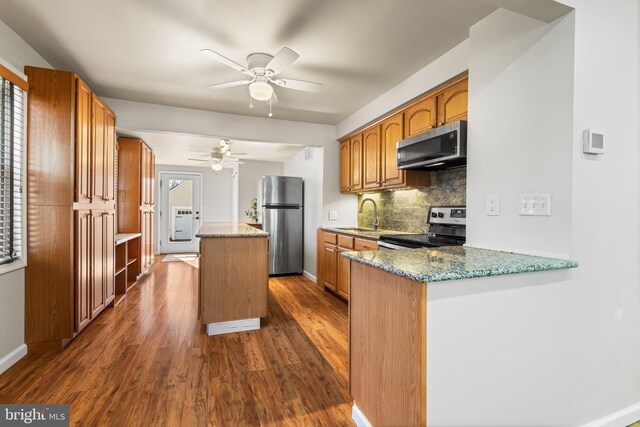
x=127, y=265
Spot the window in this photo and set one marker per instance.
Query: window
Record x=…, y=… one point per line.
x=12, y=114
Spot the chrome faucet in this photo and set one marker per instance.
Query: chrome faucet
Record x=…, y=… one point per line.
x=375, y=211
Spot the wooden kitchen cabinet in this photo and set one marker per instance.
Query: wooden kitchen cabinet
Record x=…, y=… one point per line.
x=69, y=278
x=83, y=269
x=109, y=255
x=368, y=159
x=351, y=157
x=136, y=197
x=83, y=143
x=420, y=117
x=98, y=166
x=342, y=280
x=365, y=245
x=453, y=103
x=97, y=289
x=332, y=269
x=391, y=134
x=345, y=166
x=356, y=163
x=371, y=158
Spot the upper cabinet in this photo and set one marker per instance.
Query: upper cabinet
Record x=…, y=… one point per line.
x=368, y=159
x=452, y=103
x=83, y=142
x=420, y=117
x=371, y=158
x=391, y=134
x=345, y=165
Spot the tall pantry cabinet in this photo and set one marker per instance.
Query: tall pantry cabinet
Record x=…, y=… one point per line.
x=69, y=277
x=136, y=195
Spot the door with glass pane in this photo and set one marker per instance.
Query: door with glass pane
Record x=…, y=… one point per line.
x=180, y=212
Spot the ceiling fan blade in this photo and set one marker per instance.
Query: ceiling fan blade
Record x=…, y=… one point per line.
x=226, y=61
x=229, y=84
x=199, y=160
x=299, y=85
x=282, y=60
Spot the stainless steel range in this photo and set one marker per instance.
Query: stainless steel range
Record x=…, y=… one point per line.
x=447, y=227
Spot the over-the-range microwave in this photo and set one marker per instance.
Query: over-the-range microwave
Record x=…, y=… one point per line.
x=444, y=147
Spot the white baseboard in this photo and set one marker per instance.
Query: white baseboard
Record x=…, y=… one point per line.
x=233, y=326
x=309, y=276
x=622, y=418
x=358, y=417
x=11, y=358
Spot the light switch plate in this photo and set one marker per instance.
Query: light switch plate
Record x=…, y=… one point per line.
x=534, y=204
x=493, y=205
x=333, y=215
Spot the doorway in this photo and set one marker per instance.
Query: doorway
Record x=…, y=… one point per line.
x=180, y=212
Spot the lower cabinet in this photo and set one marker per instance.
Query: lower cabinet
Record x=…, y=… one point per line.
x=94, y=264
x=333, y=270
x=83, y=268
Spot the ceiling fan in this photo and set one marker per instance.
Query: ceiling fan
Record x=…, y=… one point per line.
x=262, y=69
x=219, y=156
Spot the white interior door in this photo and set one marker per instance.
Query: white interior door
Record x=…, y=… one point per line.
x=180, y=212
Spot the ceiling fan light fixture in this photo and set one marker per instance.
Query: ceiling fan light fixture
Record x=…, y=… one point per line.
x=216, y=167
x=260, y=91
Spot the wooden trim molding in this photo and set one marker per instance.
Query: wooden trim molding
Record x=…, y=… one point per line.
x=14, y=78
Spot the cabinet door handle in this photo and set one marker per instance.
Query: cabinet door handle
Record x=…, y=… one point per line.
x=440, y=124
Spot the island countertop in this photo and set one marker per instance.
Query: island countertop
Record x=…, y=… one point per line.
x=455, y=262
x=229, y=229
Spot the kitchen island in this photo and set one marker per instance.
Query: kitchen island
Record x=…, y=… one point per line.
x=388, y=322
x=233, y=277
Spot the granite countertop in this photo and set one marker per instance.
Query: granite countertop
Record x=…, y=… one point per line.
x=367, y=233
x=455, y=262
x=229, y=229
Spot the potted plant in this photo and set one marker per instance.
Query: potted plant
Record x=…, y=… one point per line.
x=252, y=213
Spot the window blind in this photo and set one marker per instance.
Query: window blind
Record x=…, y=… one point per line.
x=12, y=113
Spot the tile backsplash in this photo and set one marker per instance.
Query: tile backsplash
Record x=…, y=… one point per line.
x=407, y=210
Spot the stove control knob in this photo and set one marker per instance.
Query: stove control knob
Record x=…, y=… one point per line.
x=440, y=215
x=434, y=215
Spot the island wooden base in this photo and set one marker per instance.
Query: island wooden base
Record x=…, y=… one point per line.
x=387, y=348
x=234, y=278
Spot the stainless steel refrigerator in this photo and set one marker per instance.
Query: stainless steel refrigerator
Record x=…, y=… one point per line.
x=280, y=210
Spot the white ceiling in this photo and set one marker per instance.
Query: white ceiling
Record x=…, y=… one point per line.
x=149, y=50
x=176, y=149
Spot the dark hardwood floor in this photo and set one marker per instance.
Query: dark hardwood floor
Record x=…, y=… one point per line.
x=148, y=362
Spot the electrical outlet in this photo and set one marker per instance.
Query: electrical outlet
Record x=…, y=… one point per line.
x=333, y=215
x=493, y=205
x=534, y=204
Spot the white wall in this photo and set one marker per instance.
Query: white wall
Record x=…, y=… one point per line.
x=15, y=53
x=311, y=171
x=442, y=69
x=141, y=116
x=552, y=348
x=520, y=128
x=249, y=174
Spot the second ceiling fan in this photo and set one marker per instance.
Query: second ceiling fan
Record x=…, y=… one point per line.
x=262, y=69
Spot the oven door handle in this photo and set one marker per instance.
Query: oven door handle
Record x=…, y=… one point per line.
x=386, y=245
